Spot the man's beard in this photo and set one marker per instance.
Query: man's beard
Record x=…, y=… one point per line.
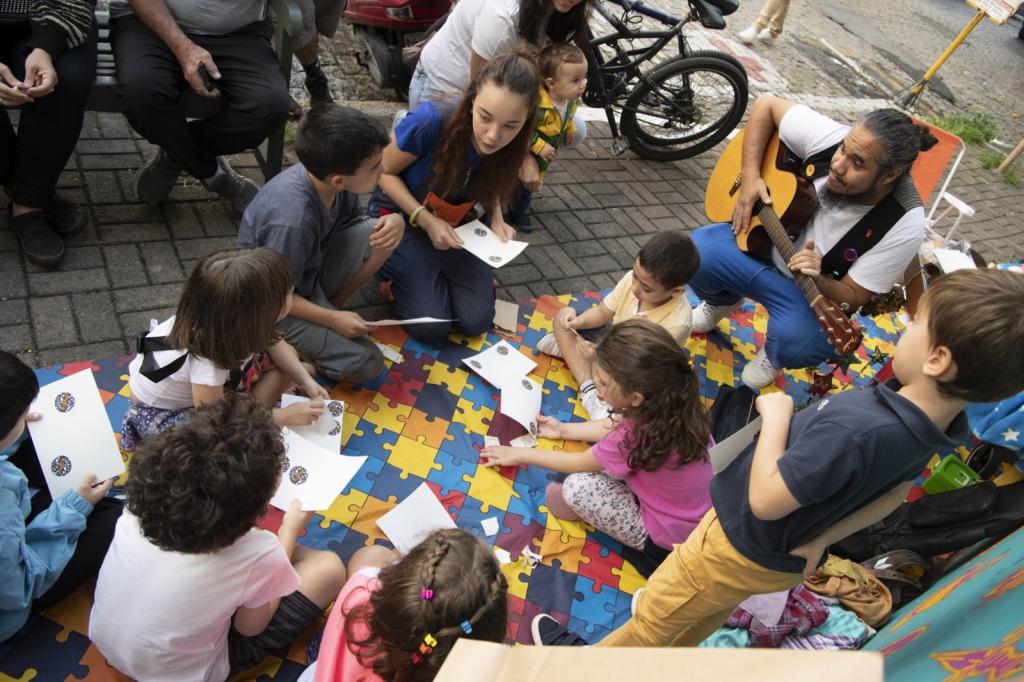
x=831, y=201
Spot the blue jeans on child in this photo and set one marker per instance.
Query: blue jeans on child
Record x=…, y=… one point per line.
x=428, y=282
x=727, y=274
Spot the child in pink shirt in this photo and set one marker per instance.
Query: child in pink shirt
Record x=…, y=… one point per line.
x=646, y=481
x=399, y=618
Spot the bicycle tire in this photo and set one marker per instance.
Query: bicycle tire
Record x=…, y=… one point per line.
x=684, y=109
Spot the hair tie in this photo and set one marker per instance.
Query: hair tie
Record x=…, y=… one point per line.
x=426, y=647
x=466, y=627
x=427, y=595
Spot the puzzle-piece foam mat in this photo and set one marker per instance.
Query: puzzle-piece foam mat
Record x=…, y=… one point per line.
x=424, y=419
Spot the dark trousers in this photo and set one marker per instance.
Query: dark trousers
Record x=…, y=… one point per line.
x=151, y=85
x=92, y=543
x=32, y=159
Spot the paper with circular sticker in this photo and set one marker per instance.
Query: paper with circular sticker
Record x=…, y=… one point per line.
x=314, y=476
x=74, y=426
x=521, y=402
x=326, y=430
x=500, y=364
x=483, y=243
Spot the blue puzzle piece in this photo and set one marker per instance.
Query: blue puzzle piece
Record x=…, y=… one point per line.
x=369, y=443
x=322, y=538
x=437, y=401
x=552, y=587
x=479, y=392
x=452, y=354
x=365, y=477
x=388, y=481
x=60, y=661
x=470, y=517
x=593, y=606
x=590, y=632
x=449, y=477
x=353, y=541
x=465, y=447
x=620, y=609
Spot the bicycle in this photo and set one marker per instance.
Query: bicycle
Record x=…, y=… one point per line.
x=684, y=105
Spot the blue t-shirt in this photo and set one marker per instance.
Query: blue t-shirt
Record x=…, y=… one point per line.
x=419, y=134
x=289, y=217
x=842, y=453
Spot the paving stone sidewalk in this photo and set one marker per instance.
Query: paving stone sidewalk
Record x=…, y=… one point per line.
x=596, y=210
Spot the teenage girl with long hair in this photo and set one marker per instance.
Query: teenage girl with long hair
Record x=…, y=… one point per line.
x=397, y=619
x=221, y=334
x=645, y=481
x=444, y=158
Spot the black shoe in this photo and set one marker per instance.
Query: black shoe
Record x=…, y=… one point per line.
x=65, y=217
x=520, y=221
x=237, y=189
x=40, y=243
x=318, y=87
x=294, y=109
x=155, y=179
x=548, y=632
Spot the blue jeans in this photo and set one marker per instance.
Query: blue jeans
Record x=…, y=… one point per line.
x=727, y=274
x=422, y=87
x=428, y=282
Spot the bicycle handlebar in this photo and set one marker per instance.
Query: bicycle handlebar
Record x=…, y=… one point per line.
x=647, y=11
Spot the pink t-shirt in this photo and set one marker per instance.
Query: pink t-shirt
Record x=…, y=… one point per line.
x=336, y=663
x=672, y=501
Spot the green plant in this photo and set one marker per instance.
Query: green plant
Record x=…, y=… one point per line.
x=1011, y=178
x=990, y=160
x=973, y=126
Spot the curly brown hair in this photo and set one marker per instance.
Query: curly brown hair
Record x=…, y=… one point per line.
x=230, y=304
x=468, y=586
x=496, y=177
x=642, y=357
x=201, y=485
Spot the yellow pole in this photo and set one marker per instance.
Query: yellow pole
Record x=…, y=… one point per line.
x=911, y=97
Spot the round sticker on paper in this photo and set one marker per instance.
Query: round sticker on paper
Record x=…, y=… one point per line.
x=61, y=465
x=336, y=430
x=298, y=475
x=480, y=232
x=335, y=408
x=475, y=364
x=494, y=259
x=533, y=429
x=285, y=464
x=502, y=350
x=527, y=384
x=64, y=402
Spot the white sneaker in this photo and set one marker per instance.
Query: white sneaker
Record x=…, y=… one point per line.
x=636, y=597
x=759, y=372
x=706, y=316
x=747, y=35
x=766, y=36
x=549, y=345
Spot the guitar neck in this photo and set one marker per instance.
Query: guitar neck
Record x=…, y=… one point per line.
x=773, y=226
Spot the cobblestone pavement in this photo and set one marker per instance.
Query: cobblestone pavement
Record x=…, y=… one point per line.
x=844, y=58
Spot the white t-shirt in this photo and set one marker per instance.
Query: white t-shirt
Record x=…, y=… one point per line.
x=487, y=27
x=807, y=132
x=174, y=392
x=162, y=615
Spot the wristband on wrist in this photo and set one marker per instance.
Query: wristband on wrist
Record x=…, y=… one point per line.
x=415, y=214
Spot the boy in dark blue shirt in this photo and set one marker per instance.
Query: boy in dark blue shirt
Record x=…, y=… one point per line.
x=812, y=479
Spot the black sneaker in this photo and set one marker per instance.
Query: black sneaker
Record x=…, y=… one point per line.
x=156, y=178
x=64, y=216
x=520, y=221
x=237, y=189
x=294, y=109
x=318, y=87
x=548, y=632
x=40, y=243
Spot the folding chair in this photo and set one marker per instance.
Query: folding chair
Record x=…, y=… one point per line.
x=930, y=168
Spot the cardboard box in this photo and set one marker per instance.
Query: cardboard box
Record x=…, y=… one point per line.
x=471, y=660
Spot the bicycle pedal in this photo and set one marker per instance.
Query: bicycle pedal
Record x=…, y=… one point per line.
x=619, y=145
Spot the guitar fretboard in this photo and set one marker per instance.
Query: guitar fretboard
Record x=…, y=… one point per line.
x=773, y=226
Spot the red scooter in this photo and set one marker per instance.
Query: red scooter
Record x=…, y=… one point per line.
x=385, y=27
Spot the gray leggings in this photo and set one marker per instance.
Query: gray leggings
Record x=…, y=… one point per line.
x=608, y=504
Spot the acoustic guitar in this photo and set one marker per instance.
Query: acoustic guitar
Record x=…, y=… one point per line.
x=778, y=224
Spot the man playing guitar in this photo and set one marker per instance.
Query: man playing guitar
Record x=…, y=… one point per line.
x=850, y=254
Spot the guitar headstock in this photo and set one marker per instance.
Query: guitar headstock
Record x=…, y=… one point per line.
x=843, y=333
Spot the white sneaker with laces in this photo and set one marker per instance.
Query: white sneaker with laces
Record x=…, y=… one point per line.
x=549, y=345
x=706, y=316
x=766, y=36
x=760, y=371
x=747, y=35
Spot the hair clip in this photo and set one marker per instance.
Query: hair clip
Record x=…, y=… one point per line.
x=429, y=640
x=416, y=659
x=466, y=627
x=427, y=595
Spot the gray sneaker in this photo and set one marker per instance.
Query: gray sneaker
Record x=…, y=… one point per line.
x=237, y=189
x=156, y=178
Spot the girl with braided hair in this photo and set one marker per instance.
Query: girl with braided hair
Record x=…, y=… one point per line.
x=646, y=480
x=397, y=619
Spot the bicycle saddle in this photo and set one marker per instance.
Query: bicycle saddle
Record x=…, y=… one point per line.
x=711, y=13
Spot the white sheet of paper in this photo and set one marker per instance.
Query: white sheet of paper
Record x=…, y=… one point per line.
x=951, y=260
x=490, y=525
x=500, y=363
x=521, y=400
x=74, y=438
x=389, y=352
x=325, y=432
x=722, y=454
x=503, y=556
x=411, y=320
x=480, y=241
x=312, y=475
x=414, y=518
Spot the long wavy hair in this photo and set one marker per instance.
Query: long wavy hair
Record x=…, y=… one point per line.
x=495, y=178
x=538, y=22
x=642, y=357
x=465, y=584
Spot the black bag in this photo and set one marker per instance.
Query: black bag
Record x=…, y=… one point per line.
x=936, y=524
x=14, y=11
x=733, y=409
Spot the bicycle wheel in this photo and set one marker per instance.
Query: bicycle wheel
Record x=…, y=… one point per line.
x=684, y=107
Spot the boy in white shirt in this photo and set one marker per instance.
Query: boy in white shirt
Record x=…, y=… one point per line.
x=189, y=589
x=655, y=289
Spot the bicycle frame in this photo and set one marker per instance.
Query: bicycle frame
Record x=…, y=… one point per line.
x=626, y=66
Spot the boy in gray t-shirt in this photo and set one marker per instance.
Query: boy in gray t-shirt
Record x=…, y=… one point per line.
x=310, y=213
